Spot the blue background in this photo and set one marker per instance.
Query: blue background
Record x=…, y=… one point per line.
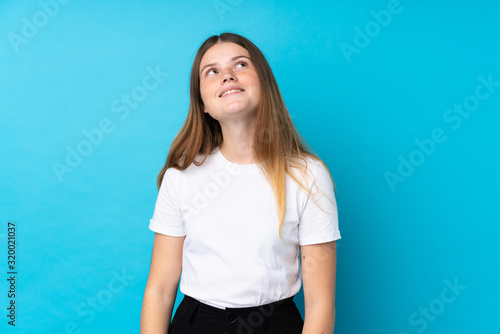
x=362, y=114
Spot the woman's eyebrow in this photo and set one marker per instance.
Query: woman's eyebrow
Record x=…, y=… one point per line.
x=232, y=59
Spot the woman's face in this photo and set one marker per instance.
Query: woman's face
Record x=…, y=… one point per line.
x=229, y=83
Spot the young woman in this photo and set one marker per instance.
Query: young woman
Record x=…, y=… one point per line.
x=239, y=197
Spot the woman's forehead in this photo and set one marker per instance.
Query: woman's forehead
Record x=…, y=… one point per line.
x=223, y=51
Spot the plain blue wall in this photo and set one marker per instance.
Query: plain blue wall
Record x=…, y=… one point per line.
x=365, y=94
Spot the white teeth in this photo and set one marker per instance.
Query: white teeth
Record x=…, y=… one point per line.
x=232, y=91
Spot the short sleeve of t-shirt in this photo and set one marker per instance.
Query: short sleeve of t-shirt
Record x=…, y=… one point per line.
x=167, y=215
x=319, y=223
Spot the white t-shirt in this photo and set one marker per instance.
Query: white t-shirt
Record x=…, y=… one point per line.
x=232, y=255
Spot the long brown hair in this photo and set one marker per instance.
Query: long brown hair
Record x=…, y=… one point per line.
x=277, y=144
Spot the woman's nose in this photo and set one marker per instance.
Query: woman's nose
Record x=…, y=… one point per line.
x=228, y=76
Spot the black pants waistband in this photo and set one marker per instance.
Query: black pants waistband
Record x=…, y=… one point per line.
x=262, y=313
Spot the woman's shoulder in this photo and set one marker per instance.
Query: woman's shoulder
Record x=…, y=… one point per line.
x=178, y=168
x=306, y=162
x=306, y=166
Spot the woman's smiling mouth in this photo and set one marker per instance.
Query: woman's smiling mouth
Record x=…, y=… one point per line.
x=231, y=90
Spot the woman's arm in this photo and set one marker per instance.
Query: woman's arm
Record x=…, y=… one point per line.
x=161, y=287
x=319, y=263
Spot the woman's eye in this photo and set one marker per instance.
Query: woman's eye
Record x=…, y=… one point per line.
x=210, y=70
x=241, y=63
